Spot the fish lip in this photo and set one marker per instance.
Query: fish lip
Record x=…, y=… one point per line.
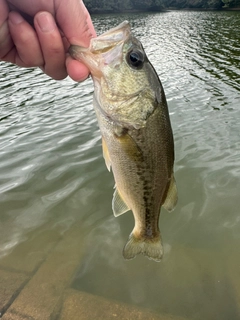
x=75, y=49
x=123, y=25
x=110, y=38
x=83, y=55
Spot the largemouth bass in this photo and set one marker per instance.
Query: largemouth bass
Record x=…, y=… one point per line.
x=137, y=138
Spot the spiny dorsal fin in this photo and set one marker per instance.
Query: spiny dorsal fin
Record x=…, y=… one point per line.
x=171, y=198
x=118, y=205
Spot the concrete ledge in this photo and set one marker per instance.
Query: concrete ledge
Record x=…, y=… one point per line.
x=40, y=297
x=10, y=285
x=79, y=305
x=15, y=316
x=27, y=256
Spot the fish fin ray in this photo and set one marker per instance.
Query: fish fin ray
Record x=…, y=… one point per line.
x=171, y=198
x=153, y=249
x=118, y=205
x=129, y=146
x=106, y=155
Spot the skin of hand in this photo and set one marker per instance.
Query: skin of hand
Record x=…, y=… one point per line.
x=38, y=33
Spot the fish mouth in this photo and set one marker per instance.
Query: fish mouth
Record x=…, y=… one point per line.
x=103, y=50
x=110, y=38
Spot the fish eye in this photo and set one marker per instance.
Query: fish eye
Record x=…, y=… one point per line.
x=135, y=59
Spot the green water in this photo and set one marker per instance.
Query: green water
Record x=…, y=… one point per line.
x=52, y=174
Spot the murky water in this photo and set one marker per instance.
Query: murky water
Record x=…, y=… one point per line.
x=52, y=174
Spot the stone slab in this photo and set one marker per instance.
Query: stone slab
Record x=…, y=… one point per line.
x=15, y=316
x=80, y=305
x=28, y=255
x=10, y=285
x=41, y=295
x=232, y=270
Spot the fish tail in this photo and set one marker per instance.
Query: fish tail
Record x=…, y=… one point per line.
x=152, y=248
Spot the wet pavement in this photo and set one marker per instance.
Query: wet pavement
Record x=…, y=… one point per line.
x=35, y=283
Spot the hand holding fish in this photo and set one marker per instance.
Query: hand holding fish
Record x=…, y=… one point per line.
x=38, y=34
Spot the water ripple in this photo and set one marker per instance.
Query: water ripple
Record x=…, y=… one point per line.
x=51, y=166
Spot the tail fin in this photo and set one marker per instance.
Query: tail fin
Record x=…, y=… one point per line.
x=152, y=248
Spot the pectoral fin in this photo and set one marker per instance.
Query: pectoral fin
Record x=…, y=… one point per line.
x=128, y=144
x=171, y=198
x=106, y=154
x=118, y=205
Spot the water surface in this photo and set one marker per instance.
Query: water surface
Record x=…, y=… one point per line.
x=52, y=174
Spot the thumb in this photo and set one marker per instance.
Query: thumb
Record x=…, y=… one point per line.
x=75, y=22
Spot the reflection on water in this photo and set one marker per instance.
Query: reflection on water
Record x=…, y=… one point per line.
x=52, y=172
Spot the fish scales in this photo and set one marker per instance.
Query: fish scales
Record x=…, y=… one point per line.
x=137, y=138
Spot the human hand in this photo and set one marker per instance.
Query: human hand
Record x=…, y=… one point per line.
x=38, y=34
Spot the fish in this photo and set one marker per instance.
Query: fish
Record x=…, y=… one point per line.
x=137, y=139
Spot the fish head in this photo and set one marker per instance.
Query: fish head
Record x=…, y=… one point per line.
x=126, y=85
x=104, y=51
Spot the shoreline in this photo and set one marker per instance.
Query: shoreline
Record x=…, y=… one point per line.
x=108, y=11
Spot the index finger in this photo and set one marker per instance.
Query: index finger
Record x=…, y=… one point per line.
x=6, y=43
x=75, y=22
x=3, y=12
x=71, y=16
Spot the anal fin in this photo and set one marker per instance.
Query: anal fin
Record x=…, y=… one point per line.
x=118, y=205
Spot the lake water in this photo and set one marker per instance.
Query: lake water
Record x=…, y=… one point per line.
x=53, y=176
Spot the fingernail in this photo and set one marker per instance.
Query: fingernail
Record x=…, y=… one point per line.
x=15, y=18
x=46, y=22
